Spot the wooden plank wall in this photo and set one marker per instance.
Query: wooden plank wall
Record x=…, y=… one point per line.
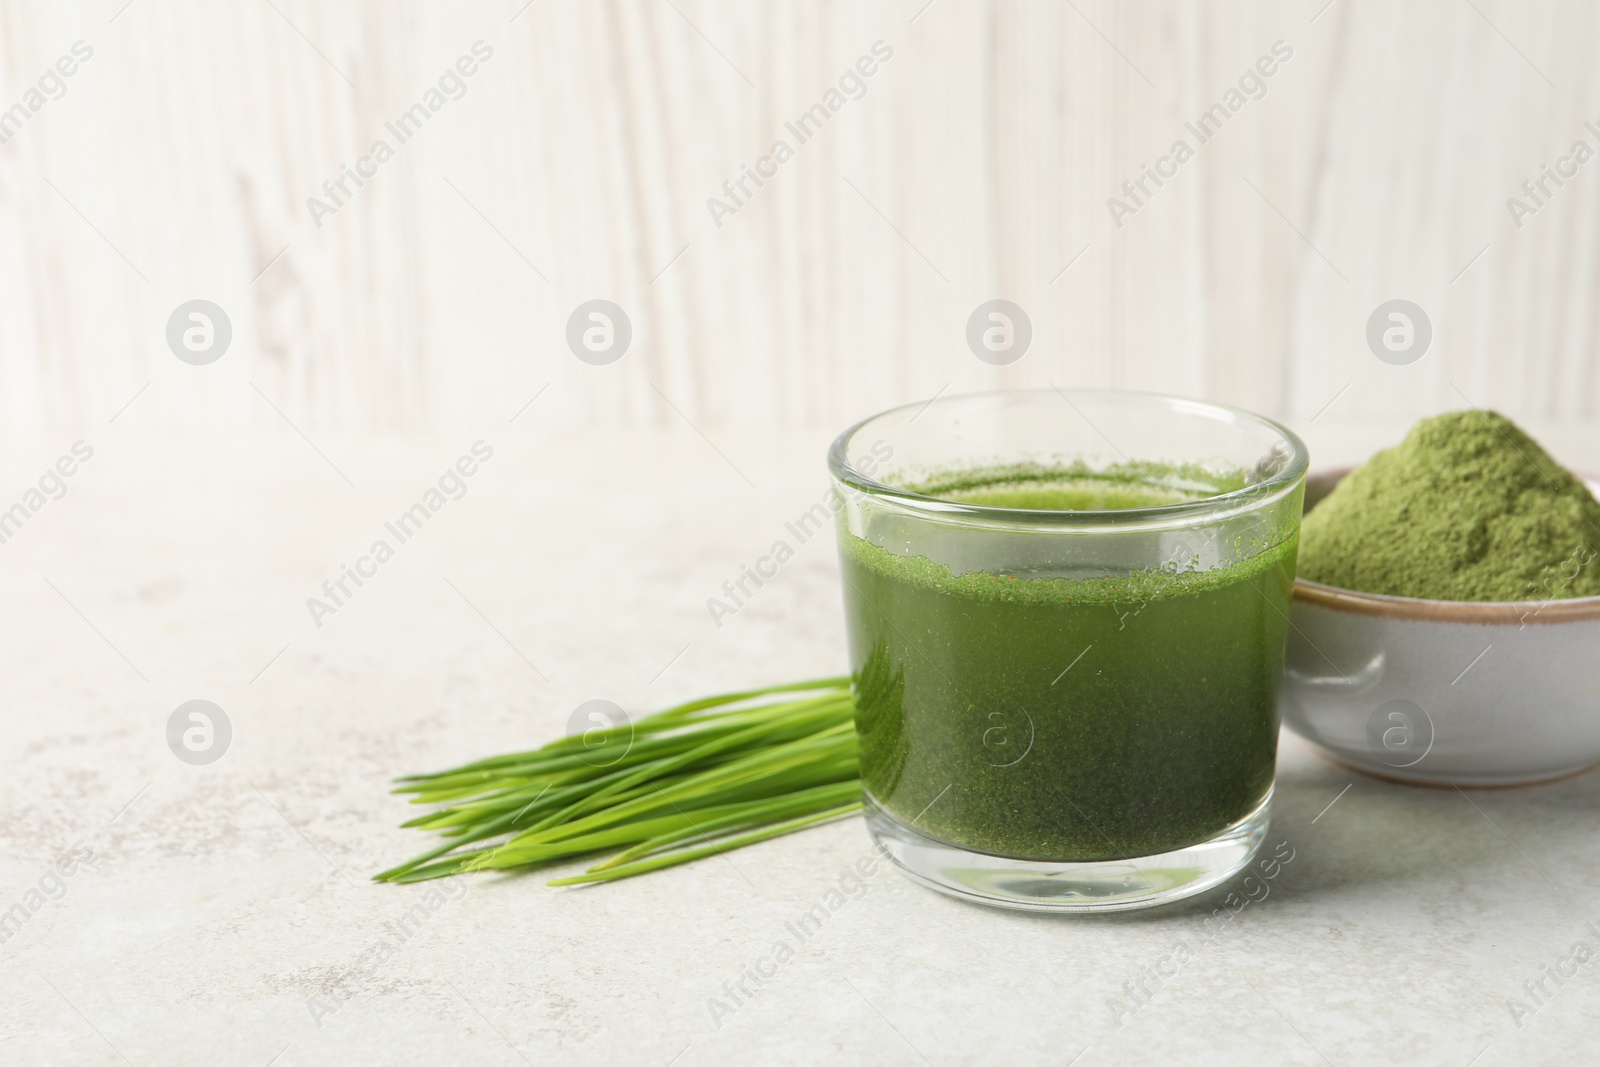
x=978, y=164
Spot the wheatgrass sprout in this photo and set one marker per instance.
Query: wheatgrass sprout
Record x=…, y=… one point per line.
x=695, y=780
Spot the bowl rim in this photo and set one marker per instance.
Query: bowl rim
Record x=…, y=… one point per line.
x=1481, y=612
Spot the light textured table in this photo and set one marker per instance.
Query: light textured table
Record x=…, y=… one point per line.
x=226, y=916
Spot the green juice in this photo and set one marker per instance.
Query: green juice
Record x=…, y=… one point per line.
x=1049, y=718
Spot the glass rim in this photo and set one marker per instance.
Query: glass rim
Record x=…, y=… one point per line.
x=846, y=472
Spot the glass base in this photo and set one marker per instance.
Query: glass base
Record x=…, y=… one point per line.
x=1071, y=885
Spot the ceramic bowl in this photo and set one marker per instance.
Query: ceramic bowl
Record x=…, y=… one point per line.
x=1441, y=692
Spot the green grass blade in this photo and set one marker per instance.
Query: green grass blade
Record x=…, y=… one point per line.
x=672, y=859
x=696, y=779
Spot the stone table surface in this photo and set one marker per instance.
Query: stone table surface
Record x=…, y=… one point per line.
x=164, y=913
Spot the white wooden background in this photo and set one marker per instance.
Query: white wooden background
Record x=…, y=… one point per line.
x=179, y=162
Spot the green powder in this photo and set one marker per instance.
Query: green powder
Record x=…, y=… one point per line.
x=1467, y=507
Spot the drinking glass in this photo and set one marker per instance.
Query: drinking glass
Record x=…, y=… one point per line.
x=1068, y=709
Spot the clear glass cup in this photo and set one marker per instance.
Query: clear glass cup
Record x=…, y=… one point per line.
x=1068, y=709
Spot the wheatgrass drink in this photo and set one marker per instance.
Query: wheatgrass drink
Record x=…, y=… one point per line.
x=1067, y=614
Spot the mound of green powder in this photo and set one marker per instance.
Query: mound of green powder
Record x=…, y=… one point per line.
x=1467, y=507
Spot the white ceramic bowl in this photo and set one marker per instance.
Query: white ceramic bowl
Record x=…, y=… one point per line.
x=1441, y=692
